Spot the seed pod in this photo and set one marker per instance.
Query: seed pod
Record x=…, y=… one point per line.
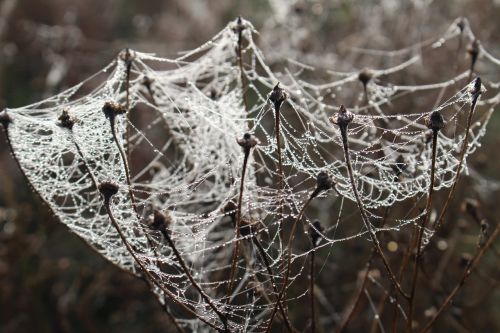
x=160, y=220
x=435, y=121
x=248, y=141
x=127, y=56
x=399, y=166
x=66, y=120
x=476, y=91
x=5, y=119
x=471, y=207
x=473, y=51
x=324, y=181
x=343, y=118
x=108, y=189
x=315, y=232
x=111, y=110
x=365, y=76
x=278, y=96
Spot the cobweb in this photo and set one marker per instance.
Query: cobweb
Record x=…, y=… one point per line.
x=179, y=134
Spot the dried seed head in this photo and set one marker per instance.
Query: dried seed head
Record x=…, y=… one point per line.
x=476, y=90
x=365, y=76
x=127, y=56
x=147, y=82
x=239, y=26
x=112, y=109
x=247, y=142
x=108, y=189
x=66, y=120
x=278, y=96
x=461, y=24
x=315, y=232
x=399, y=166
x=5, y=119
x=483, y=233
x=473, y=50
x=435, y=121
x=471, y=207
x=324, y=181
x=342, y=118
x=160, y=220
x=465, y=259
x=230, y=209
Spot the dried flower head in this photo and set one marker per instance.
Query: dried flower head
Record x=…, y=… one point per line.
x=435, y=121
x=160, y=220
x=239, y=25
x=399, y=166
x=473, y=50
x=66, y=120
x=5, y=119
x=112, y=109
x=471, y=207
x=324, y=181
x=108, y=189
x=365, y=76
x=315, y=232
x=461, y=24
x=248, y=141
x=230, y=208
x=476, y=90
x=278, y=95
x=342, y=118
x=127, y=56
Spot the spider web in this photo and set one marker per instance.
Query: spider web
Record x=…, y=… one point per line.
x=180, y=137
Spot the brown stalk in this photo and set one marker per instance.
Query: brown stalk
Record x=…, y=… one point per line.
x=160, y=220
x=342, y=119
x=247, y=143
x=107, y=190
x=277, y=97
x=436, y=123
x=239, y=30
x=323, y=183
x=475, y=96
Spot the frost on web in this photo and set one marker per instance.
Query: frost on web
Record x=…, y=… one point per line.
x=176, y=133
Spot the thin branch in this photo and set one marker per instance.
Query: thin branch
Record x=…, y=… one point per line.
x=475, y=96
x=108, y=191
x=342, y=119
x=436, y=123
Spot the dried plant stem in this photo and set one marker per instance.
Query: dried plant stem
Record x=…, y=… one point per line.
x=128, y=66
x=289, y=259
x=465, y=145
x=280, y=170
x=311, y=292
x=239, y=50
x=470, y=267
x=205, y=297
x=237, y=226
x=263, y=254
x=418, y=243
x=123, y=157
x=94, y=181
x=364, y=217
x=146, y=272
x=357, y=298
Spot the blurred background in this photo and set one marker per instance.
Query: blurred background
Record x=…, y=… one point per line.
x=50, y=281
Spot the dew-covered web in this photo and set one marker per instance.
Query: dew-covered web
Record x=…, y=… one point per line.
x=178, y=142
